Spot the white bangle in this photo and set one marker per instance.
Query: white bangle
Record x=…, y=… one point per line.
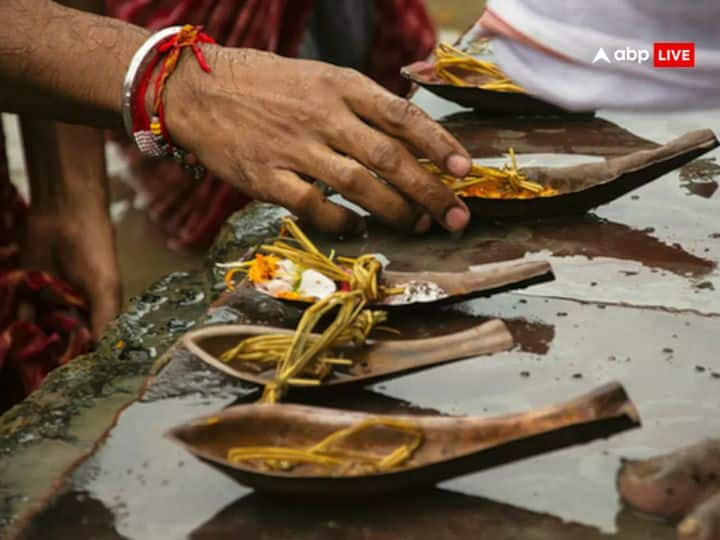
x=145, y=140
x=137, y=65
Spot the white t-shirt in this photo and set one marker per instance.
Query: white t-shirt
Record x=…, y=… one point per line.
x=575, y=30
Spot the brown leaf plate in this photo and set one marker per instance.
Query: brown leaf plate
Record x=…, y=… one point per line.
x=586, y=186
x=375, y=361
x=452, y=446
x=489, y=102
x=485, y=280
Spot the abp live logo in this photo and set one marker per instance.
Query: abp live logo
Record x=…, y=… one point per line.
x=665, y=55
x=674, y=55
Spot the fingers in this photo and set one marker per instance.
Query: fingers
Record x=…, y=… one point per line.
x=392, y=161
x=397, y=116
x=671, y=485
x=357, y=184
x=311, y=206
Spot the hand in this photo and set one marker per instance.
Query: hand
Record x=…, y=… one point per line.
x=80, y=250
x=263, y=123
x=68, y=230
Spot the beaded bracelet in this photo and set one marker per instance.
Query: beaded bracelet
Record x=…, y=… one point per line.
x=148, y=131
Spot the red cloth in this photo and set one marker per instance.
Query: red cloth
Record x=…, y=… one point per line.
x=41, y=317
x=192, y=213
x=404, y=34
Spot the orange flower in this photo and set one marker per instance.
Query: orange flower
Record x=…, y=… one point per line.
x=229, y=278
x=288, y=295
x=292, y=295
x=263, y=268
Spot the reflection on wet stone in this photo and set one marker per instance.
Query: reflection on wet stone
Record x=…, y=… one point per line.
x=78, y=515
x=430, y=514
x=595, y=136
x=588, y=236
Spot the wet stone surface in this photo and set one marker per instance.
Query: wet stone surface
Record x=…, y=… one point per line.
x=60, y=422
x=636, y=300
x=187, y=375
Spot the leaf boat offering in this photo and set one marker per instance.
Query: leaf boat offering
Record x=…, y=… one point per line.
x=304, y=351
x=493, y=183
x=345, y=289
x=301, y=450
x=293, y=269
x=461, y=69
x=241, y=351
x=516, y=193
x=335, y=452
x=476, y=82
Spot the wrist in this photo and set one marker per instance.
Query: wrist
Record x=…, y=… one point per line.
x=184, y=94
x=145, y=90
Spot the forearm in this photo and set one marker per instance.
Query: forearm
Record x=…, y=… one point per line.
x=317, y=120
x=62, y=63
x=65, y=166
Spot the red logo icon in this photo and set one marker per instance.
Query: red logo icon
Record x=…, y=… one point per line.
x=674, y=55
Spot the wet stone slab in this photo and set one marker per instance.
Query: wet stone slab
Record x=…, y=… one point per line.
x=58, y=424
x=149, y=488
x=636, y=300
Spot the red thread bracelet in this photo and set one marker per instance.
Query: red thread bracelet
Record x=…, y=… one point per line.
x=150, y=131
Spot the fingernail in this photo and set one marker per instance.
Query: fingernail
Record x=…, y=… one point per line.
x=456, y=218
x=689, y=527
x=423, y=224
x=458, y=165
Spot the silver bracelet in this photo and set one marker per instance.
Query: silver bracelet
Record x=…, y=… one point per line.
x=139, y=62
x=148, y=143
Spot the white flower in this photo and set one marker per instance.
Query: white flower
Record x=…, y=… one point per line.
x=274, y=287
x=287, y=270
x=315, y=285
